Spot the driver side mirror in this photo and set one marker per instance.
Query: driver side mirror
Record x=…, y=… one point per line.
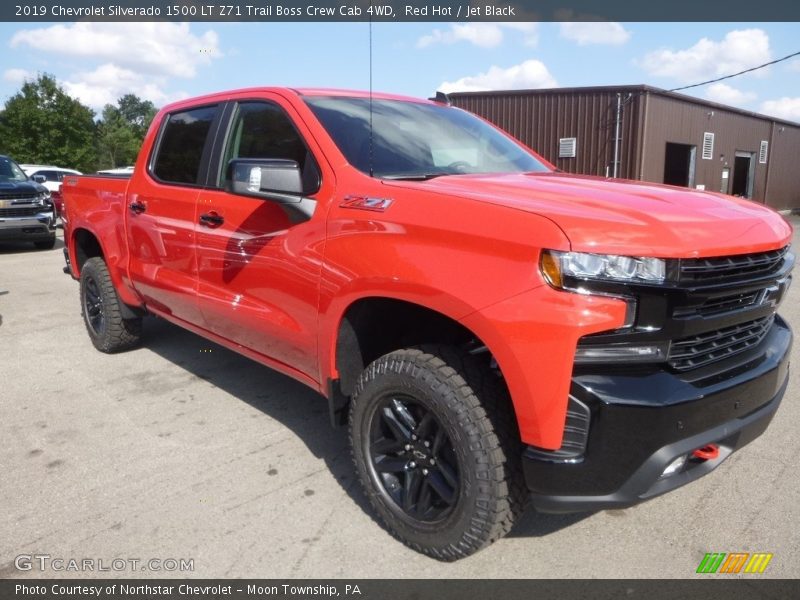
x=39, y=178
x=274, y=179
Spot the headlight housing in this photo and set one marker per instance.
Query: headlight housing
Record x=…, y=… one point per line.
x=557, y=266
x=43, y=196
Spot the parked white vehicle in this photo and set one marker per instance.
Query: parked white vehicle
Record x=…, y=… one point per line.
x=52, y=175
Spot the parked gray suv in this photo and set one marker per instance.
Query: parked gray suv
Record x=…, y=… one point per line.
x=26, y=209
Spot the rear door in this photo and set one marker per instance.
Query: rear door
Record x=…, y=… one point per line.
x=259, y=265
x=161, y=212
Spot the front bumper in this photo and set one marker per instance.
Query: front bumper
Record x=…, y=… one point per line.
x=41, y=226
x=642, y=420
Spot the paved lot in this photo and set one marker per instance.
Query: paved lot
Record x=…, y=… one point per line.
x=182, y=449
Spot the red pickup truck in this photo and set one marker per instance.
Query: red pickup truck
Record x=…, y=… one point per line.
x=493, y=330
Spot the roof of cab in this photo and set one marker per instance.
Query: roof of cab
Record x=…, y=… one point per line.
x=331, y=92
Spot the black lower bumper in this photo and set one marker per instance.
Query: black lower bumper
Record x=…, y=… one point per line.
x=32, y=232
x=640, y=422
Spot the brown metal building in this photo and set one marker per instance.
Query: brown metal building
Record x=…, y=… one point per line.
x=645, y=133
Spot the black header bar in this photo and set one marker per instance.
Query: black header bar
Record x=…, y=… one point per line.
x=401, y=10
x=709, y=587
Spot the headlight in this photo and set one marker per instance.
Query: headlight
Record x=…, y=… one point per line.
x=42, y=196
x=556, y=266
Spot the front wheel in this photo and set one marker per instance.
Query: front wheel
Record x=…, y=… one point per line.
x=102, y=310
x=47, y=244
x=436, y=450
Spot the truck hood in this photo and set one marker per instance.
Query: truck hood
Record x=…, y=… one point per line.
x=628, y=217
x=20, y=187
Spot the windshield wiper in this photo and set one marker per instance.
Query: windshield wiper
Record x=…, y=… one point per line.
x=416, y=176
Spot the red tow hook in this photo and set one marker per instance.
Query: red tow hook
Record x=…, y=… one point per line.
x=707, y=452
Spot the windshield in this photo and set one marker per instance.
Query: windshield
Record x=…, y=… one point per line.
x=412, y=140
x=9, y=171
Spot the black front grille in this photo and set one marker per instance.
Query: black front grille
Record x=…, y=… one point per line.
x=17, y=196
x=709, y=347
x=718, y=306
x=731, y=268
x=27, y=211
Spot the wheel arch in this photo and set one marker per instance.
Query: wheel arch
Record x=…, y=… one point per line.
x=84, y=244
x=372, y=326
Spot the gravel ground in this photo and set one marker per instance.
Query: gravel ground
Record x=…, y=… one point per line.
x=184, y=450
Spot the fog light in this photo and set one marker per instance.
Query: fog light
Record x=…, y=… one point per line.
x=674, y=466
x=621, y=352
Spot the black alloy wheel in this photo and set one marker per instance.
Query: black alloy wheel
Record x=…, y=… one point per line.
x=413, y=459
x=93, y=307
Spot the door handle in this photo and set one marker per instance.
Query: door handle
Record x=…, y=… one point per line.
x=137, y=207
x=212, y=219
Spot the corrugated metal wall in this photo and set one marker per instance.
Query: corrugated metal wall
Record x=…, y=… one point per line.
x=783, y=160
x=671, y=119
x=650, y=119
x=541, y=118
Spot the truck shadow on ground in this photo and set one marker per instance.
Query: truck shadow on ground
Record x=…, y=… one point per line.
x=300, y=409
x=27, y=247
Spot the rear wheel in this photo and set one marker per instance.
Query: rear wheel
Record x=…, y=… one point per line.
x=437, y=451
x=102, y=310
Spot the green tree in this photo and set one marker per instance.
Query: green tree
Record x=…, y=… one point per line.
x=42, y=124
x=137, y=112
x=122, y=129
x=117, y=143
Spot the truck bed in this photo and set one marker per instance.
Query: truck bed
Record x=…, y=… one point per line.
x=99, y=203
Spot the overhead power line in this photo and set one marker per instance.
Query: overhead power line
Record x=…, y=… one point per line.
x=750, y=70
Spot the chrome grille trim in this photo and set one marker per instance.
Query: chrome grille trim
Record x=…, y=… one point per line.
x=26, y=211
x=731, y=268
x=706, y=348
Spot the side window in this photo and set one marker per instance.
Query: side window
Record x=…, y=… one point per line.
x=264, y=130
x=48, y=175
x=183, y=139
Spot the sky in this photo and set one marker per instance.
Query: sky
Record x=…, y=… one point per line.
x=162, y=62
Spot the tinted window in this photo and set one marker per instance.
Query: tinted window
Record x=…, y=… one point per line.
x=9, y=171
x=183, y=139
x=48, y=175
x=264, y=130
x=415, y=139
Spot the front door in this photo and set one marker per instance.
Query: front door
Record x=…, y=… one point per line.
x=679, y=164
x=161, y=216
x=259, y=266
x=743, y=174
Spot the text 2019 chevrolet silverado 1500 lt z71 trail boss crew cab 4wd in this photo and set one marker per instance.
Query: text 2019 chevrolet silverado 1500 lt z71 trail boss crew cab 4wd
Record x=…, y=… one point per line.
x=492, y=329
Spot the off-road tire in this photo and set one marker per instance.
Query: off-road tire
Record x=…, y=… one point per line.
x=473, y=407
x=114, y=333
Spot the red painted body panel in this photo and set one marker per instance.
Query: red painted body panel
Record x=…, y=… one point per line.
x=98, y=206
x=533, y=337
x=163, y=248
x=258, y=278
x=629, y=217
x=465, y=246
